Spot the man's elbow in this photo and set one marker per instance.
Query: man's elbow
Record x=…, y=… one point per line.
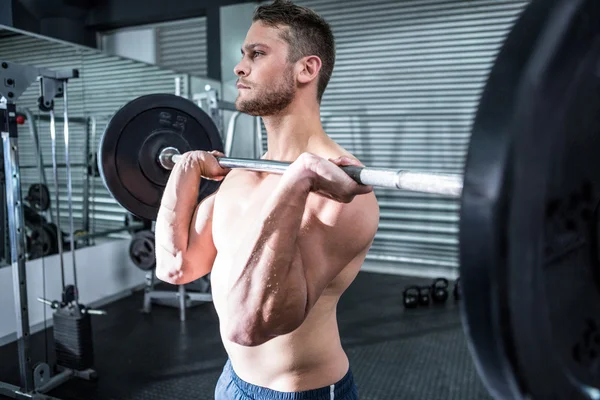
x=163, y=276
x=168, y=274
x=247, y=337
x=172, y=270
x=252, y=333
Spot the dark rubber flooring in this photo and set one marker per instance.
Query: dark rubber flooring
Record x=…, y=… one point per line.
x=394, y=353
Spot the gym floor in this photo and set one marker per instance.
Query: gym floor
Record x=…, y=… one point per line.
x=394, y=353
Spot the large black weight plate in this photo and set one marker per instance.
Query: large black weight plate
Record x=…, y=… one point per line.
x=528, y=250
x=484, y=204
x=554, y=294
x=128, y=151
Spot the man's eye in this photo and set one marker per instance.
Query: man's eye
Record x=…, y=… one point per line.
x=257, y=53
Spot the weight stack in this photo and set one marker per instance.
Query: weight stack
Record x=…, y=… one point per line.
x=73, y=338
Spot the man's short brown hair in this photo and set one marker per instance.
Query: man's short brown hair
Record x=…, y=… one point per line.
x=308, y=34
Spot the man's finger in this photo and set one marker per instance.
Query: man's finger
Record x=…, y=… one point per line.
x=217, y=153
x=343, y=160
x=364, y=189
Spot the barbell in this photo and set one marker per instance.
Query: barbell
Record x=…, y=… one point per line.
x=381, y=177
x=529, y=199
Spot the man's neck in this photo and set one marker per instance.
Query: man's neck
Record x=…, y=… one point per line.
x=293, y=132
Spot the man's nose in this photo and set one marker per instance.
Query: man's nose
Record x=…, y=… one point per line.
x=241, y=69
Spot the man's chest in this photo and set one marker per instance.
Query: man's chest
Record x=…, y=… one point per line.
x=241, y=204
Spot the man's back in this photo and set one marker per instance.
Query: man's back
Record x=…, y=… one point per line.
x=310, y=356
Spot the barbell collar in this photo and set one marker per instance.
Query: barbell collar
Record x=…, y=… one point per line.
x=168, y=157
x=445, y=185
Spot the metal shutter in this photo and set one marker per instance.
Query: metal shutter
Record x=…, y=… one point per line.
x=105, y=84
x=403, y=95
x=181, y=46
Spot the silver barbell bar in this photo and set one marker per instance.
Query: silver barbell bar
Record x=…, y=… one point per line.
x=442, y=184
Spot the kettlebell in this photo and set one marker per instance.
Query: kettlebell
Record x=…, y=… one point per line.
x=411, y=297
x=424, y=296
x=439, y=290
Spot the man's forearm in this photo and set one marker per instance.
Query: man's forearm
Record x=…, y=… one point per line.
x=176, y=212
x=267, y=286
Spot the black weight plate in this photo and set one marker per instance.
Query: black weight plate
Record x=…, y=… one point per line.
x=51, y=229
x=128, y=151
x=484, y=206
x=142, y=250
x=527, y=246
x=38, y=196
x=40, y=242
x=554, y=294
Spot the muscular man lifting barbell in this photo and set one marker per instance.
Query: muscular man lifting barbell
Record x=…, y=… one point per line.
x=281, y=249
x=529, y=210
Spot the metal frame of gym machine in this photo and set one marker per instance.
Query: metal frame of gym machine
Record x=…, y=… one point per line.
x=15, y=79
x=198, y=292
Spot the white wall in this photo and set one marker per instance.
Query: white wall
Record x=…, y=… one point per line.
x=104, y=273
x=235, y=22
x=137, y=44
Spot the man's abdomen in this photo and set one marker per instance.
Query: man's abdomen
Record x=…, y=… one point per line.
x=308, y=358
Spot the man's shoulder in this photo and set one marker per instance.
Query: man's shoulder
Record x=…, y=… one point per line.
x=362, y=213
x=333, y=151
x=345, y=225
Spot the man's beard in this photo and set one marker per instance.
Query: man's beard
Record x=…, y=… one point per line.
x=270, y=100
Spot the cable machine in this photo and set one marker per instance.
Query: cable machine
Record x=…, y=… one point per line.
x=72, y=325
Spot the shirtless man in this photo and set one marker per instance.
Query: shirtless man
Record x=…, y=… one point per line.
x=281, y=248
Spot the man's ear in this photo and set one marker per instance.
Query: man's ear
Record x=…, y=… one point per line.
x=308, y=69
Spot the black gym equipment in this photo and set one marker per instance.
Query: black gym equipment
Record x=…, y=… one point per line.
x=72, y=330
x=419, y=295
x=142, y=251
x=411, y=296
x=439, y=290
x=528, y=252
x=38, y=197
x=41, y=237
x=42, y=241
x=424, y=295
x=73, y=344
x=529, y=199
x=145, y=126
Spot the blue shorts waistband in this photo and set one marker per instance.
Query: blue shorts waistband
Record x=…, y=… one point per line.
x=340, y=389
